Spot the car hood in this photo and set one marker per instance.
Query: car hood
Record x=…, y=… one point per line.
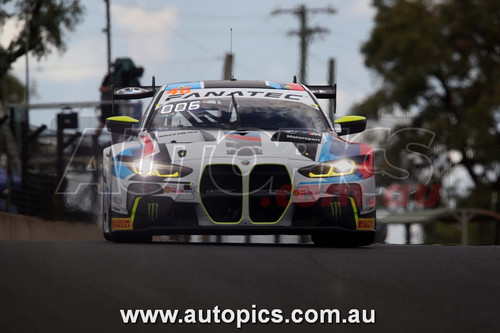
x=252, y=144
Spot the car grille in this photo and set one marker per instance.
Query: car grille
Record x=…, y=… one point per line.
x=269, y=192
x=221, y=192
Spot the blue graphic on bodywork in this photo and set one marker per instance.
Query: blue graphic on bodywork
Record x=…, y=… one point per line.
x=325, y=155
x=120, y=169
x=190, y=85
x=333, y=149
x=274, y=85
x=353, y=178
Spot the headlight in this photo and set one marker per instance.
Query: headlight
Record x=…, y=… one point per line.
x=147, y=167
x=336, y=168
x=143, y=167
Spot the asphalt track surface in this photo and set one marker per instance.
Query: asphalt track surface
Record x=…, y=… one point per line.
x=65, y=286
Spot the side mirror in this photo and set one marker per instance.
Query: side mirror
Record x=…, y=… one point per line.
x=350, y=125
x=121, y=125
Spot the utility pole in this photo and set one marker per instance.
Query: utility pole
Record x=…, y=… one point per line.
x=305, y=32
x=227, y=71
x=228, y=67
x=331, y=81
x=107, y=30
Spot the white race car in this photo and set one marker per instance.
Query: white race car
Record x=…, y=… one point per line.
x=237, y=157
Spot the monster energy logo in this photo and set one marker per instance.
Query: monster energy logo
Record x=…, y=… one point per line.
x=153, y=208
x=336, y=211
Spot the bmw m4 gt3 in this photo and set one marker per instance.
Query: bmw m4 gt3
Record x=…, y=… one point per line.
x=237, y=157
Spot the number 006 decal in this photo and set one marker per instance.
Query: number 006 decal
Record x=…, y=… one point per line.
x=180, y=107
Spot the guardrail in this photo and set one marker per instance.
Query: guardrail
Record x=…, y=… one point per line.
x=463, y=216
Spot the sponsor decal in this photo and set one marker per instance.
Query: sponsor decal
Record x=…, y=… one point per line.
x=313, y=134
x=153, y=208
x=336, y=209
x=187, y=93
x=366, y=224
x=119, y=223
x=180, y=90
x=183, y=87
x=301, y=138
x=297, y=137
x=178, y=133
x=176, y=190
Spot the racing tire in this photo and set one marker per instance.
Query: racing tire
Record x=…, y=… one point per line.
x=106, y=236
x=343, y=239
x=106, y=218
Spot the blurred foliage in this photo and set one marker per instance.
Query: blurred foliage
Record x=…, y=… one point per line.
x=13, y=92
x=12, y=88
x=480, y=232
x=439, y=63
x=43, y=26
x=441, y=232
x=484, y=233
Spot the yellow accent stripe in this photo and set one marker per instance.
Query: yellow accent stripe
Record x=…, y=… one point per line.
x=125, y=119
x=155, y=172
x=355, y=211
x=332, y=173
x=134, y=208
x=348, y=119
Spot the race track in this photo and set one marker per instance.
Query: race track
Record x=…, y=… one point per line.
x=65, y=286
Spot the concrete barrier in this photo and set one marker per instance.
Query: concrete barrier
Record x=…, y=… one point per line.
x=29, y=228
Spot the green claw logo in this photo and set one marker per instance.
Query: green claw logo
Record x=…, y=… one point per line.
x=153, y=211
x=336, y=211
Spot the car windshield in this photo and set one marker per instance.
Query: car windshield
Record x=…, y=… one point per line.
x=237, y=113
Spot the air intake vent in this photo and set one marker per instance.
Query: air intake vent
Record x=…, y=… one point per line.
x=221, y=192
x=269, y=195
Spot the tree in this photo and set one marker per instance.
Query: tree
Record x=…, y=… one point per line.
x=12, y=88
x=44, y=24
x=439, y=61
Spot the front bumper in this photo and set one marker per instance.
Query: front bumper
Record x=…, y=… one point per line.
x=289, y=211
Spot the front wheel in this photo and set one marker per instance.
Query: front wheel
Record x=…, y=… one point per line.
x=106, y=218
x=343, y=239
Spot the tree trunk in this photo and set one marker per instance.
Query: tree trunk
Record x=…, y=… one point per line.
x=11, y=148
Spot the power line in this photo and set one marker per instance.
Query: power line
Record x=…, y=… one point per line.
x=305, y=32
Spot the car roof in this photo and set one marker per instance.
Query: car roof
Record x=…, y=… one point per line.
x=239, y=84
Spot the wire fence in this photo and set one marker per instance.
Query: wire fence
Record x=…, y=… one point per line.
x=60, y=151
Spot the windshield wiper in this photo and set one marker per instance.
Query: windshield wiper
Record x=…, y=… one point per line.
x=238, y=122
